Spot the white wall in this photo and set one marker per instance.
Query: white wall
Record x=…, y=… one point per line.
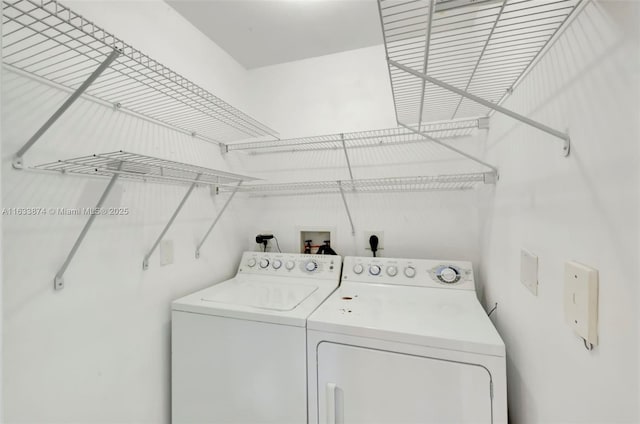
x=583, y=208
x=98, y=351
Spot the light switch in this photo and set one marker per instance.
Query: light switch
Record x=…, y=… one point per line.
x=581, y=300
x=529, y=271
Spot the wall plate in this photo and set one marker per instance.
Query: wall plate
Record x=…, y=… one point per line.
x=581, y=300
x=529, y=271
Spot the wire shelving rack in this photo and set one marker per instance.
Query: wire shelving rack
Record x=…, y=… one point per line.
x=47, y=40
x=134, y=166
x=445, y=182
x=373, y=138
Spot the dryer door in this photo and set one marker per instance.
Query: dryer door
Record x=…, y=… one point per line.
x=359, y=385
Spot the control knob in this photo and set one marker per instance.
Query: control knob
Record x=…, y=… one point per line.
x=448, y=275
x=277, y=264
x=290, y=265
x=264, y=263
x=311, y=266
x=251, y=262
x=392, y=271
x=410, y=271
x=374, y=270
x=358, y=268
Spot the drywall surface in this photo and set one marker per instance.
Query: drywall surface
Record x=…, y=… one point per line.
x=341, y=92
x=99, y=350
x=582, y=208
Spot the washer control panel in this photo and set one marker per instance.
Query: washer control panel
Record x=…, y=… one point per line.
x=409, y=272
x=291, y=264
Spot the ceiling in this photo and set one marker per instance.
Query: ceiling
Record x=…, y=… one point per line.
x=266, y=32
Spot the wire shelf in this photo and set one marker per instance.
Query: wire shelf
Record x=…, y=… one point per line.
x=145, y=168
x=48, y=40
x=374, y=185
x=483, y=47
x=385, y=137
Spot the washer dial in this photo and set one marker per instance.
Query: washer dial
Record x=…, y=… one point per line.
x=448, y=274
x=277, y=264
x=392, y=271
x=264, y=262
x=374, y=269
x=358, y=268
x=251, y=262
x=311, y=266
x=289, y=265
x=410, y=271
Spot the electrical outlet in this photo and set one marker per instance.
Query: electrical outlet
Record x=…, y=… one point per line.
x=166, y=252
x=380, y=235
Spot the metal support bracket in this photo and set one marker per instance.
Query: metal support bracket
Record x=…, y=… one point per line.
x=346, y=206
x=346, y=155
x=494, y=170
x=215, y=221
x=58, y=282
x=145, y=262
x=563, y=136
x=17, y=159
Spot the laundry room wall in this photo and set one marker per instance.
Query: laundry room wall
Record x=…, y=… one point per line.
x=583, y=208
x=345, y=92
x=99, y=350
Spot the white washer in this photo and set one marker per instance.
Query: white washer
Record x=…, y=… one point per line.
x=405, y=341
x=239, y=347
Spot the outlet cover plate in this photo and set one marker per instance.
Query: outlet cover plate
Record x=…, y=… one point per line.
x=368, y=234
x=529, y=271
x=581, y=300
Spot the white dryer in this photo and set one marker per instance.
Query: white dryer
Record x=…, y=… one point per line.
x=239, y=347
x=405, y=341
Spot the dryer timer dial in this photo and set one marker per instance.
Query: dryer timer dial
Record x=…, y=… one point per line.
x=311, y=266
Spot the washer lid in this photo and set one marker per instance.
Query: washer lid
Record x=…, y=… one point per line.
x=434, y=317
x=278, y=300
x=273, y=296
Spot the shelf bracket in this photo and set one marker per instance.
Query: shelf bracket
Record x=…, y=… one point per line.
x=215, y=221
x=58, y=282
x=346, y=155
x=17, y=159
x=494, y=170
x=563, y=136
x=145, y=262
x=346, y=207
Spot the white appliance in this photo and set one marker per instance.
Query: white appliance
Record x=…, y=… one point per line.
x=239, y=347
x=405, y=341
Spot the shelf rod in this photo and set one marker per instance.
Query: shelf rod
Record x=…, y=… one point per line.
x=58, y=282
x=453, y=149
x=346, y=155
x=17, y=159
x=346, y=206
x=215, y=221
x=498, y=108
x=145, y=262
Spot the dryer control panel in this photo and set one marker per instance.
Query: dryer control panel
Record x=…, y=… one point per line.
x=409, y=272
x=291, y=264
